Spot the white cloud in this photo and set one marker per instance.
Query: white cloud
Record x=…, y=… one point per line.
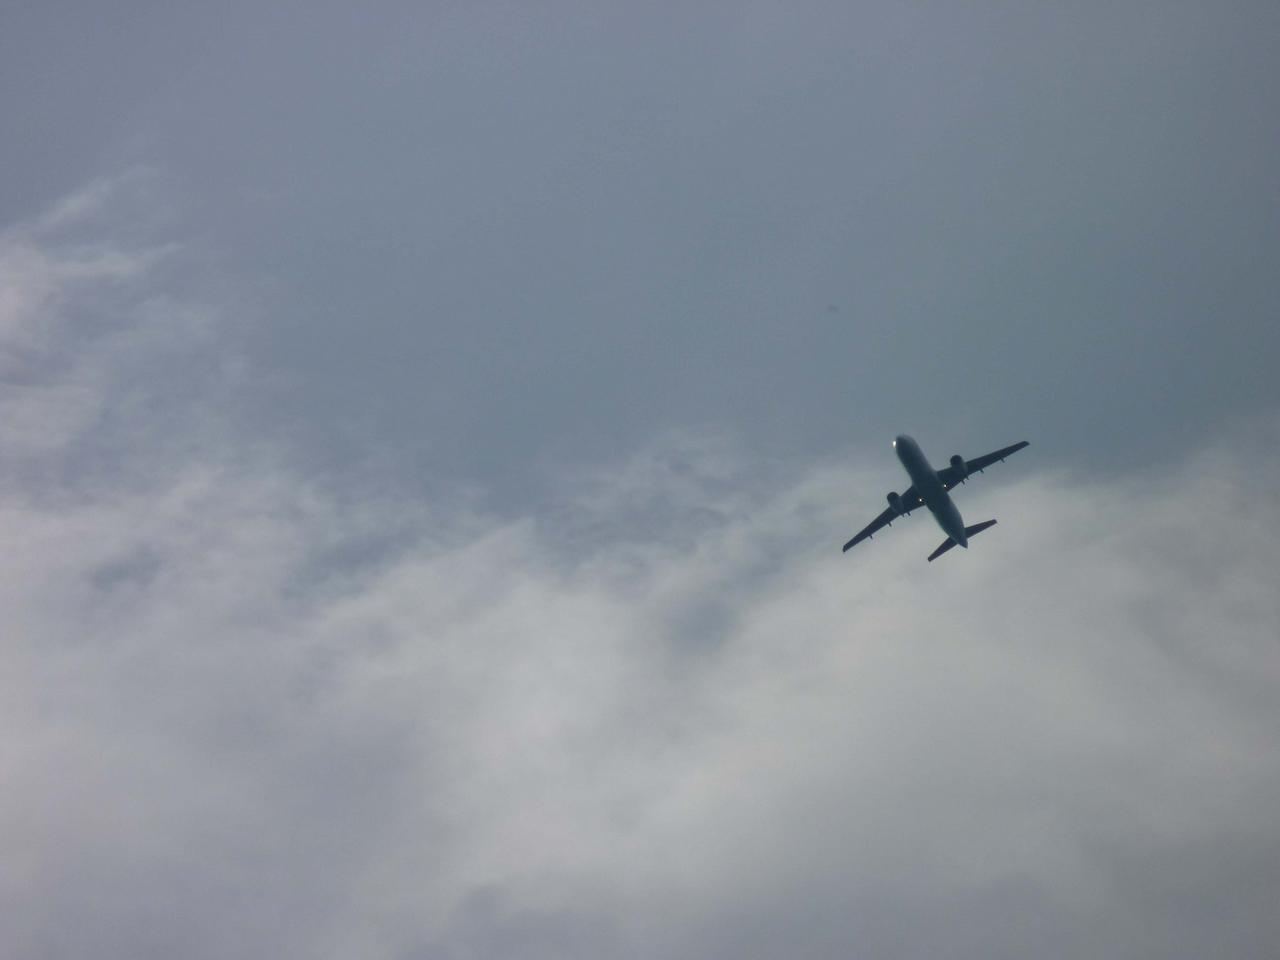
x=242, y=718
x=103, y=346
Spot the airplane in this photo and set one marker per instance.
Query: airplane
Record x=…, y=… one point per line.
x=930, y=488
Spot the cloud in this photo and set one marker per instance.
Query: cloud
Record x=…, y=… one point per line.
x=112, y=359
x=246, y=716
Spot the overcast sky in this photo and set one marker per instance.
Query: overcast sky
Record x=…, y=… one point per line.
x=428, y=432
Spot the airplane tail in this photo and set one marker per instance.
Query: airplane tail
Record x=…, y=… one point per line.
x=948, y=543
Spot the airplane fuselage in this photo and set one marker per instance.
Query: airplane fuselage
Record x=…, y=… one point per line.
x=930, y=488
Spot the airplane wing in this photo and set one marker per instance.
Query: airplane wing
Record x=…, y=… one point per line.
x=910, y=500
x=950, y=477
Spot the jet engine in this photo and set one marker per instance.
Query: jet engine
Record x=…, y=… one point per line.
x=895, y=503
x=958, y=465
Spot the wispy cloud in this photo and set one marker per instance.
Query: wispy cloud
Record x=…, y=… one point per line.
x=108, y=354
x=241, y=717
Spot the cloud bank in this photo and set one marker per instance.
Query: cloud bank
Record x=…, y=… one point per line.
x=244, y=716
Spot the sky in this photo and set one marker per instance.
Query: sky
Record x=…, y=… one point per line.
x=428, y=432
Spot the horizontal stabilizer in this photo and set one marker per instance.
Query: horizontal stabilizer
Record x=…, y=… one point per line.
x=973, y=531
x=947, y=544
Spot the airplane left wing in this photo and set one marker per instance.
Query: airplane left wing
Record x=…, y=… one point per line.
x=910, y=500
x=950, y=477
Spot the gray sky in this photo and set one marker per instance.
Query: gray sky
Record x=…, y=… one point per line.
x=555, y=231
x=429, y=430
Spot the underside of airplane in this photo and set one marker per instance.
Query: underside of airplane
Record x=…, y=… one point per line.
x=932, y=489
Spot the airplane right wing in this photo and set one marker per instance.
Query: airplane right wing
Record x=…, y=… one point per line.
x=979, y=464
x=910, y=500
x=950, y=477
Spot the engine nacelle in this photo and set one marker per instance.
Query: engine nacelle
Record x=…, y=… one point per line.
x=958, y=465
x=895, y=503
